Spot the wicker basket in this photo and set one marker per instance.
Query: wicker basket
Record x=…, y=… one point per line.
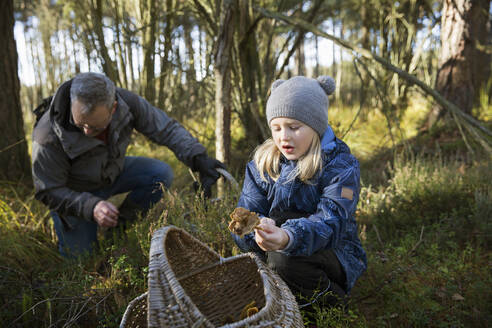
x=190, y=285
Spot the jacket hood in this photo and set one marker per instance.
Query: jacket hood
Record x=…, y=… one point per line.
x=60, y=107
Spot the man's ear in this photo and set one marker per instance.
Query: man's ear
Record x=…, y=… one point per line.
x=114, y=107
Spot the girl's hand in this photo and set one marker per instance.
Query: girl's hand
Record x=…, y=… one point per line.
x=267, y=221
x=270, y=237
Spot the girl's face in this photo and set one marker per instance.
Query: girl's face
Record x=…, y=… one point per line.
x=292, y=137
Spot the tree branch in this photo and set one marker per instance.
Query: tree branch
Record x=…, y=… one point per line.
x=411, y=79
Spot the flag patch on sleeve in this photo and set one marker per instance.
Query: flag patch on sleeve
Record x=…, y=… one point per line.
x=347, y=193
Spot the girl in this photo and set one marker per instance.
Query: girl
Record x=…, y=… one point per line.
x=304, y=184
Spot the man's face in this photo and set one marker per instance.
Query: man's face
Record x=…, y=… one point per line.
x=95, y=122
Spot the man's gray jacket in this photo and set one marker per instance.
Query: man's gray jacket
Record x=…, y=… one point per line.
x=67, y=165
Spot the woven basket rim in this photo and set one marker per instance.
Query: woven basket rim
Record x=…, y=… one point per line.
x=170, y=274
x=266, y=287
x=278, y=308
x=267, y=291
x=164, y=231
x=129, y=308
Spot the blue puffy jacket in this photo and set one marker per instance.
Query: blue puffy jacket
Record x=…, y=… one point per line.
x=329, y=205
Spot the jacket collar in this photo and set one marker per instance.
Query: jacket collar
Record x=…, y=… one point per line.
x=120, y=119
x=328, y=141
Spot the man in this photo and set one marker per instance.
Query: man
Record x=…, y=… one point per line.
x=79, y=161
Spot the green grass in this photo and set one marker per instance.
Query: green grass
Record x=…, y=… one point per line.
x=424, y=220
x=427, y=233
x=369, y=132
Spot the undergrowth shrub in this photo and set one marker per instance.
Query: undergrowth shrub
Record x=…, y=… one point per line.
x=427, y=236
x=427, y=232
x=38, y=287
x=421, y=192
x=336, y=317
x=207, y=220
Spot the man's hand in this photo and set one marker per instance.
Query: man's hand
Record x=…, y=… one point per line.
x=208, y=173
x=105, y=214
x=270, y=237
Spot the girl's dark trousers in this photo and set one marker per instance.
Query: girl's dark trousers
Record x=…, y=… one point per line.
x=316, y=279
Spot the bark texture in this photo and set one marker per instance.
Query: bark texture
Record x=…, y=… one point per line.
x=14, y=158
x=463, y=67
x=222, y=72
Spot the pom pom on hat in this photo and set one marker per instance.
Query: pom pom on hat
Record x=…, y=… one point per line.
x=327, y=83
x=276, y=84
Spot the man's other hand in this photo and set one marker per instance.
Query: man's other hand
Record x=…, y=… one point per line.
x=105, y=214
x=208, y=173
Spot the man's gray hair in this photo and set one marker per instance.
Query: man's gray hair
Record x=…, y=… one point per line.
x=92, y=90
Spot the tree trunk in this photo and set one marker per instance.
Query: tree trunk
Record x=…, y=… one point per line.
x=149, y=14
x=300, y=58
x=108, y=65
x=75, y=56
x=190, y=52
x=316, y=48
x=463, y=68
x=37, y=66
x=166, y=54
x=46, y=28
x=119, y=21
x=248, y=68
x=365, y=42
x=129, y=60
x=334, y=64
x=222, y=72
x=365, y=26
x=191, y=84
x=14, y=158
x=338, y=77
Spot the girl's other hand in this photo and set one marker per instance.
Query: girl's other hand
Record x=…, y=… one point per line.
x=270, y=237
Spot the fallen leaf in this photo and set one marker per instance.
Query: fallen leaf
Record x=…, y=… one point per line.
x=457, y=297
x=118, y=199
x=462, y=169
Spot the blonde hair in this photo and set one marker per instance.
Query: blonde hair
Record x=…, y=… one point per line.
x=267, y=159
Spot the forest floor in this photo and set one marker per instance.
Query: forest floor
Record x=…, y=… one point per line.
x=424, y=217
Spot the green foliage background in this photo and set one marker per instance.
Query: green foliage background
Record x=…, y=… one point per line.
x=424, y=220
x=426, y=201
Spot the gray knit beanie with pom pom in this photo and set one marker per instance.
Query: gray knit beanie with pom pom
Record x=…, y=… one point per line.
x=301, y=98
